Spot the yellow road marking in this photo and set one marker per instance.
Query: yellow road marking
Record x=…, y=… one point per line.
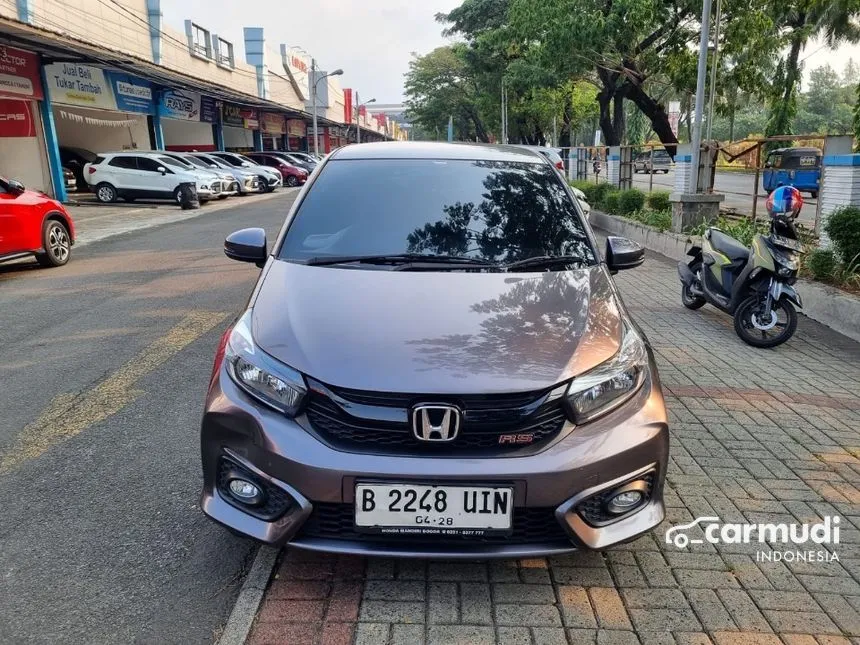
x=69, y=415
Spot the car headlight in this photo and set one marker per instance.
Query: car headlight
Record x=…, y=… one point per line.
x=608, y=385
x=261, y=376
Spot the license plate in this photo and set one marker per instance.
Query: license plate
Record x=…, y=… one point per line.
x=427, y=509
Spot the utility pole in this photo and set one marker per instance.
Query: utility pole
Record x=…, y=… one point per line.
x=713, y=88
x=696, y=139
x=357, y=117
x=314, y=98
x=315, y=81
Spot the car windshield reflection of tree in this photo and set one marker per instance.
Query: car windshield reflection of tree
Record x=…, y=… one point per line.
x=525, y=212
x=533, y=328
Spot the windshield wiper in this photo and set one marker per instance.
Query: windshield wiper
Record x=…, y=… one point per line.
x=541, y=261
x=397, y=258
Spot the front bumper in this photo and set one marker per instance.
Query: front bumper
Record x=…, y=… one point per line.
x=320, y=480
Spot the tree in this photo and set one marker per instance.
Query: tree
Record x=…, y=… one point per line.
x=441, y=85
x=797, y=22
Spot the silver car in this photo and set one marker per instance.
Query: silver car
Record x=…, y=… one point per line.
x=248, y=181
x=273, y=177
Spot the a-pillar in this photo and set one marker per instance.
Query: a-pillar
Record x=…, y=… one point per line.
x=613, y=165
x=840, y=187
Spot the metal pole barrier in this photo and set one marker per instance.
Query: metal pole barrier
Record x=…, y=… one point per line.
x=755, y=187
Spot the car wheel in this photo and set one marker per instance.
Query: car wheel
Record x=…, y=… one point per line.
x=177, y=195
x=106, y=193
x=814, y=194
x=666, y=172
x=57, y=244
x=292, y=181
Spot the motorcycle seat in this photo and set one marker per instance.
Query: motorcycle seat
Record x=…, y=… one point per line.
x=728, y=246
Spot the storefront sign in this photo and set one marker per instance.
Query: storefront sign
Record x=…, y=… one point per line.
x=240, y=117
x=296, y=128
x=74, y=84
x=273, y=123
x=19, y=73
x=16, y=118
x=208, y=109
x=180, y=104
x=131, y=94
x=299, y=66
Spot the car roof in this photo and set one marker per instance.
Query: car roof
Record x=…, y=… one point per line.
x=436, y=150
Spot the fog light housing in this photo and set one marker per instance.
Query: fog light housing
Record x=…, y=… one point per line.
x=627, y=498
x=246, y=491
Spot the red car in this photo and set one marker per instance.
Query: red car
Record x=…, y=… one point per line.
x=293, y=175
x=32, y=223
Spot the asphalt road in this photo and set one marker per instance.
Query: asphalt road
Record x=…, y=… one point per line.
x=104, y=367
x=738, y=187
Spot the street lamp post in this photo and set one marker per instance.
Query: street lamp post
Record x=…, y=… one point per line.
x=315, y=81
x=358, y=116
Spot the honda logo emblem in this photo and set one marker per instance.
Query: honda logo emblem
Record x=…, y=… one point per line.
x=435, y=422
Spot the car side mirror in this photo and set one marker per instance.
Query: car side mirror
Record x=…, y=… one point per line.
x=622, y=253
x=247, y=245
x=162, y=170
x=15, y=187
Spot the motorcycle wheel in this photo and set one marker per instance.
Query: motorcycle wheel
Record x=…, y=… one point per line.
x=687, y=298
x=779, y=329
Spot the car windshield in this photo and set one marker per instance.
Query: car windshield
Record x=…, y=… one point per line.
x=486, y=210
x=194, y=161
x=215, y=161
x=176, y=163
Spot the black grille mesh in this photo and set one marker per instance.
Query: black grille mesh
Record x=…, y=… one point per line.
x=275, y=501
x=593, y=509
x=530, y=526
x=485, y=419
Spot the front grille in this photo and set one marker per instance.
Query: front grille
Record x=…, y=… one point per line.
x=275, y=501
x=379, y=422
x=593, y=510
x=530, y=526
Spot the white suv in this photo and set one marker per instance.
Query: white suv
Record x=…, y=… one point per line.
x=137, y=175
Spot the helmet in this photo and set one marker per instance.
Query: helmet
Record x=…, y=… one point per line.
x=785, y=200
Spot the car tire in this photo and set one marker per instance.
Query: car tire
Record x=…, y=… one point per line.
x=177, y=195
x=106, y=193
x=813, y=194
x=666, y=172
x=57, y=244
x=291, y=181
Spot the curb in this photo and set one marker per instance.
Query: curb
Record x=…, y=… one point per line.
x=831, y=307
x=250, y=596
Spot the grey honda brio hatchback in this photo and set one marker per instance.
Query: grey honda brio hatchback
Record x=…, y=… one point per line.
x=435, y=362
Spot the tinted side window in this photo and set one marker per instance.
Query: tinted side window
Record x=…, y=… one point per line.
x=148, y=164
x=124, y=162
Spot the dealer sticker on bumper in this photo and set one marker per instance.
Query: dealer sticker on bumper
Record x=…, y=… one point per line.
x=420, y=509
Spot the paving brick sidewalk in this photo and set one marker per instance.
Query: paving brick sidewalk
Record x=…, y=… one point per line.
x=757, y=435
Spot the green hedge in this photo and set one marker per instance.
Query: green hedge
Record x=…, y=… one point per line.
x=630, y=201
x=610, y=202
x=659, y=200
x=843, y=228
x=821, y=264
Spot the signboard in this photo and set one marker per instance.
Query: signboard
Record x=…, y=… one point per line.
x=208, y=109
x=298, y=65
x=240, y=117
x=180, y=104
x=674, y=115
x=19, y=73
x=273, y=123
x=16, y=118
x=75, y=84
x=131, y=94
x=296, y=128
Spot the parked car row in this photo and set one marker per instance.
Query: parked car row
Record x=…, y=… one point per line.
x=158, y=174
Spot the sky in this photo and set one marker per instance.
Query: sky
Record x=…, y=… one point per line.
x=371, y=40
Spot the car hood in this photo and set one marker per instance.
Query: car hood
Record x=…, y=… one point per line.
x=436, y=332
